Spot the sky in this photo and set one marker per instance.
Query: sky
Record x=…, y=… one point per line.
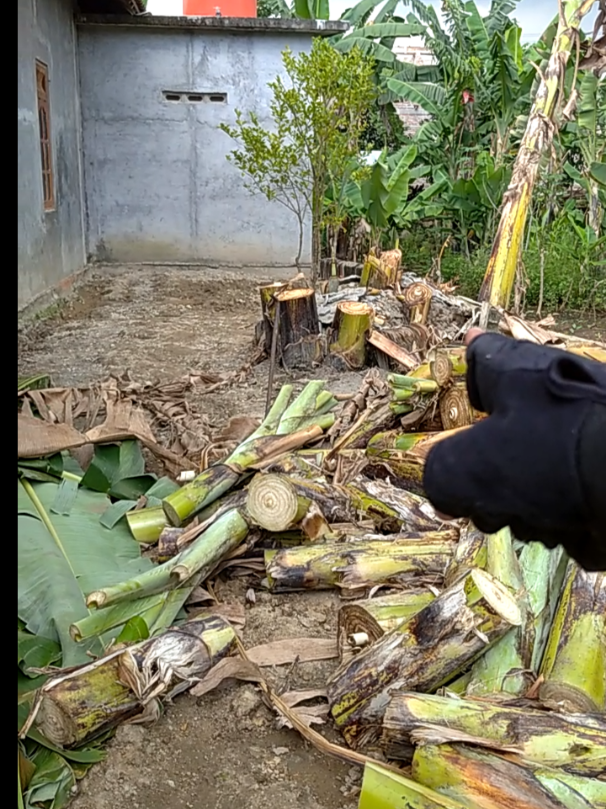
x=532, y=15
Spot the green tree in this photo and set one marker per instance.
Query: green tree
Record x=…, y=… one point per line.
x=300, y=9
x=317, y=110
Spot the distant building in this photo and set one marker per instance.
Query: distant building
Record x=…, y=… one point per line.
x=121, y=157
x=413, y=51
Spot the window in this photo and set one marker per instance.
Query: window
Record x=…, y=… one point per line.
x=194, y=98
x=48, y=181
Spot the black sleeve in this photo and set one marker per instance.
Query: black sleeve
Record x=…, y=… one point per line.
x=538, y=462
x=592, y=471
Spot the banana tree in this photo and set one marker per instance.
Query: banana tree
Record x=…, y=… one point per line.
x=478, y=85
x=589, y=137
x=311, y=9
x=377, y=39
x=501, y=271
x=380, y=194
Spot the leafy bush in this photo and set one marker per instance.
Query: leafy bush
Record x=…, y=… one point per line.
x=568, y=281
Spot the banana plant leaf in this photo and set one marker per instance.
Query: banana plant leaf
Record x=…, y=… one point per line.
x=47, y=470
x=160, y=489
x=51, y=784
x=35, y=382
x=387, y=29
x=61, y=558
x=368, y=46
x=118, y=470
x=598, y=173
x=35, y=652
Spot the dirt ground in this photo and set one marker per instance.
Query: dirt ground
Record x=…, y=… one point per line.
x=223, y=751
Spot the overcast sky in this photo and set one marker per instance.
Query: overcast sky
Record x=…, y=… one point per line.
x=532, y=15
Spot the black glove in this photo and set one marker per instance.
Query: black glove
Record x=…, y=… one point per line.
x=538, y=462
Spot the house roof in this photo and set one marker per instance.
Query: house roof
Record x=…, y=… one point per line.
x=317, y=28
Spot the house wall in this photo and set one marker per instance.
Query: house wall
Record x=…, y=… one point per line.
x=158, y=186
x=50, y=244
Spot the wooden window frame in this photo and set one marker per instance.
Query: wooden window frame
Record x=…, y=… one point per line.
x=44, y=134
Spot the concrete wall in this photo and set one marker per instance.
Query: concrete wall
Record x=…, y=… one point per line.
x=51, y=244
x=157, y=184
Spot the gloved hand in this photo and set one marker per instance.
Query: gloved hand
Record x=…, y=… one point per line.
x=538, y=462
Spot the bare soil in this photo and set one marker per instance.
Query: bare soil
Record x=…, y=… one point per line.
x=223, y=751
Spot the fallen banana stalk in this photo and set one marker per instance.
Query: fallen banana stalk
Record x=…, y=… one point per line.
x=76, y=707
x=423, y=653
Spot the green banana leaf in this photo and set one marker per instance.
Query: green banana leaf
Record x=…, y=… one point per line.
x=52, y=782
x=387, y=29
x=431, y=97
x=34, y=382
x=61, y=558
x=312, y=9
x=48, y=469
x=598, y=173
x=118, y=470
x=160, y=489
x=36, y=652
x=368, y=46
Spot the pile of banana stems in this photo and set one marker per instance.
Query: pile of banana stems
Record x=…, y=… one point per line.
x=505, y=709
x=484, y=667
x=477, y=662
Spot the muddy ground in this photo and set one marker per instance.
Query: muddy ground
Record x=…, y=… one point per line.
x=223, y=751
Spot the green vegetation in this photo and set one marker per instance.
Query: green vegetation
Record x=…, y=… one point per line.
x=438, y=192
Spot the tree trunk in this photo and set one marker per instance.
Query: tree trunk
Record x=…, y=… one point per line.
x=300, y=344
x=395, y=352
x=575, y=743
x=357, y=564
x=278, y=503
x=479, y=779
x=76, y=707
x=168, y=543
x=505, y=666
x=378, y=274
x=268, y=309
x=441, y=368
x=455, y=407
x=391, y=509
x=201, y=557
x=285, y=428
x=384, y=789
x=146, y=524
x=401, y=456
x=424, y=653
x=417, y=297
x=455, y=356
x=540, y=130
x=470, y=552
x=574, y=663
x=351, y=324
x=511, y=665
x=362, y=623
x=365, y=426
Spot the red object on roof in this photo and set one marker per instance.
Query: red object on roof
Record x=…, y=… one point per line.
x=220, y=8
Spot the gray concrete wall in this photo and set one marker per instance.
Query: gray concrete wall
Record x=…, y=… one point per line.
x=50, y=244
x=157, y=184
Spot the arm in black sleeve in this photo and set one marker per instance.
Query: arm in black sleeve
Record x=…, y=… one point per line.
x=538, y=462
